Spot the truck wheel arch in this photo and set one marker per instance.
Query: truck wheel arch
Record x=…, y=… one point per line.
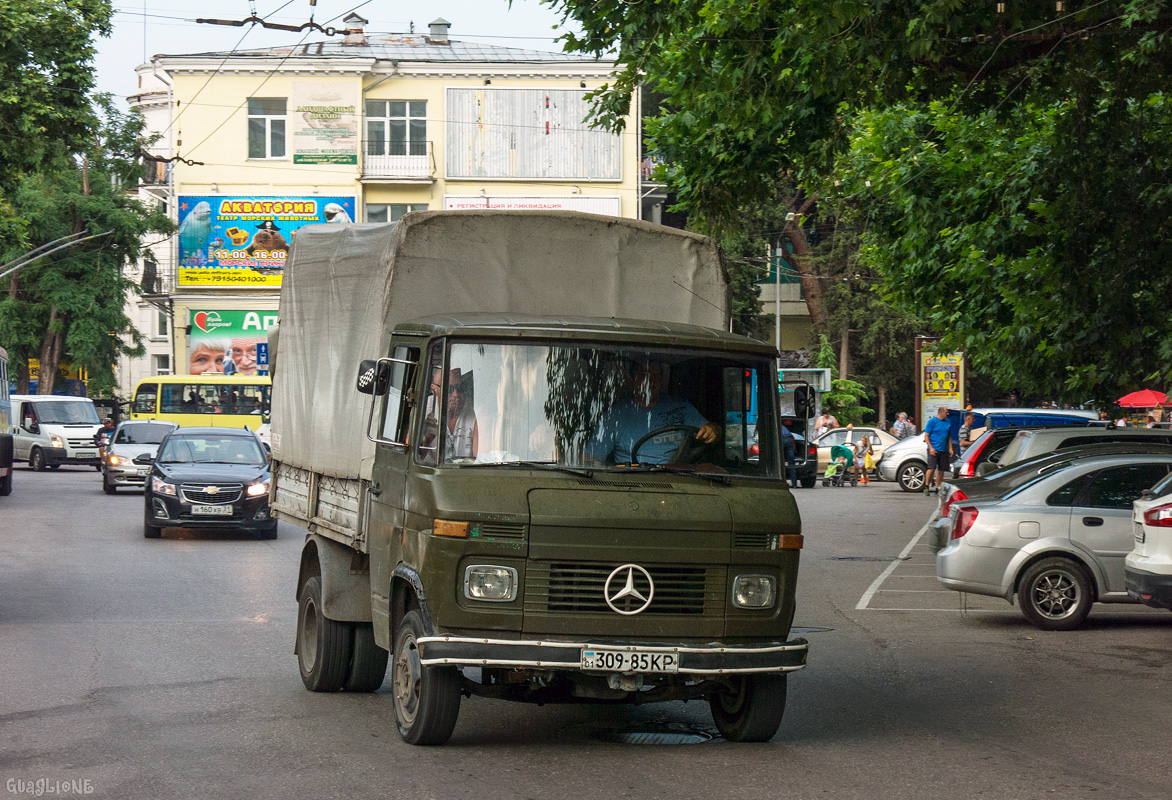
x=406, y=595
x=345, y=577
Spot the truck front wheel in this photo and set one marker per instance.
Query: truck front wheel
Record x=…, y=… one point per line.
x=753, y=712
x=323, y=645
x=427, y=699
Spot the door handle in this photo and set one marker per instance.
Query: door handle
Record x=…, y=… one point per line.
x=1092, y=522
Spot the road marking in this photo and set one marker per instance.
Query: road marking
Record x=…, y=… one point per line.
x=866, y=598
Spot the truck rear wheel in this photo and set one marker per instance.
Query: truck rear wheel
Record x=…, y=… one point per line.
x=753, y=712
x=323, y=645
x=368, y=666
x=427, y=699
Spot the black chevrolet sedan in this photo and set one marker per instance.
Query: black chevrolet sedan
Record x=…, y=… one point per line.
x=209, y=478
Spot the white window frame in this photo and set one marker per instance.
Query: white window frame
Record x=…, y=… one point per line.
x=412, y=145
x=269, y=121
x=156, y=358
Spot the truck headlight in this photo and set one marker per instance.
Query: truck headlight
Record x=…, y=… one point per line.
x=754, y=591
x=257, y=489
x=162, y=487
x=490, y=583
x=55, y=441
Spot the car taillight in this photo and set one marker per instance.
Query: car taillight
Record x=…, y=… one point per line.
x=812, y=451
x=968, y=467
x=1159, y=517
x=955, y=495
x=754, y=450
x=965, y=517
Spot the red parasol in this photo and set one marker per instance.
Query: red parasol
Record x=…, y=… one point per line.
x=1145, y=398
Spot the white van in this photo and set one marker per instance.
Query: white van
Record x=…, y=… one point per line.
x=49, y=430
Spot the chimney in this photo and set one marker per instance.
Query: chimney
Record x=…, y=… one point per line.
x=438, y=33
x=354, y=29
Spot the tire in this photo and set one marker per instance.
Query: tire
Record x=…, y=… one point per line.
x=54, y=466
x=754, y=712
x=98, y=467
x=108, y=487
x=368, y=665
x=323, y=645
x=808, y=483
x=6, y=484
x=426, y=699
x=911, y=476
x=149, y=531
x=1056, y=594
x=854, y=482
x=36, y=460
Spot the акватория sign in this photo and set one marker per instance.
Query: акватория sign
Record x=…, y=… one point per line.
x=243, y=241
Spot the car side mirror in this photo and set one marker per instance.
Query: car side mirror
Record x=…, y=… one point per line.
x=144, y=458
x=373, y=377
x=31, y=426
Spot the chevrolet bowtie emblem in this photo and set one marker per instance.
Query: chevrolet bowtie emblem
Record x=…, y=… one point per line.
x=212, y=489
x=629, y=595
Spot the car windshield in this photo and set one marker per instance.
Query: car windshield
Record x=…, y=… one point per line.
x=601, y=407
x=142, y=433
x=65, y=412
x=211, y=448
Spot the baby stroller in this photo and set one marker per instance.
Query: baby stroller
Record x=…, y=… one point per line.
x=841, y=460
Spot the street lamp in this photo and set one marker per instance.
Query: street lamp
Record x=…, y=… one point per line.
x=790, y=217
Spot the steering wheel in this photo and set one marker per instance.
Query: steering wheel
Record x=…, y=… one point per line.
x=687, y=452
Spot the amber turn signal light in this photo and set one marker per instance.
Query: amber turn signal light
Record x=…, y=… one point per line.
x=457, y=530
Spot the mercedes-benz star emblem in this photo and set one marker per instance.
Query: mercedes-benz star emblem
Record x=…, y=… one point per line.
x=628, y=600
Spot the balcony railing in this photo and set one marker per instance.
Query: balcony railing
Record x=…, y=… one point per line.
x=404, y=161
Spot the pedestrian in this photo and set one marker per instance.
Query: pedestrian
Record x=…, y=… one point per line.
x=826, y=422
x=863, y=459
x=791, y=455
x=1151, y=422
x=938, y=436
x=902, y=428
x=966, y=431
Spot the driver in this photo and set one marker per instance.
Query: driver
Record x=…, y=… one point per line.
x=647, y=410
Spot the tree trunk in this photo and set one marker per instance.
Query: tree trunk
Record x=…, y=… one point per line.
x=51, y=344
x=883, y=407
x=811, y=283
x=844, y=359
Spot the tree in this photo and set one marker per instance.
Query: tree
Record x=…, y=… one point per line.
x=69, y=306
x=46, y=74
x=760, y=93
x=843, y=398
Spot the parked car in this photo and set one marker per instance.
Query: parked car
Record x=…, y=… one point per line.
x=808, y=470
x=1029, y=443
x=1002, y=481
x=985, y=449
x=208, y=478
x=906, y=461
x=1148, y=567
x=1056, y=542
x=880, y=441
x=51, y=430
x=131, y=439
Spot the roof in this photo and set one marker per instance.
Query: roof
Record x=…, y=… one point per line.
x=665, y=333
x=404, y=47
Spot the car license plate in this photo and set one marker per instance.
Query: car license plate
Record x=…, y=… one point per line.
x=87, y=453
x=1139, y=533
x=211, y=511
x=630, y=661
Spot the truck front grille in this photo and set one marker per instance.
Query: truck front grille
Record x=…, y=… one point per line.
x=578, y=588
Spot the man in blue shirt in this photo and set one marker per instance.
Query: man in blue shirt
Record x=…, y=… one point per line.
x=938, y=435
x=629, y=420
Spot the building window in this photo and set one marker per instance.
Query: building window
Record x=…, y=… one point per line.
x=266, y=127
x=396, y=127
x=162, y=324
x=162, y=364
x=391, y=212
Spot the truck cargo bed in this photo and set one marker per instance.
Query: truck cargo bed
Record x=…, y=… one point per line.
x=320, y=503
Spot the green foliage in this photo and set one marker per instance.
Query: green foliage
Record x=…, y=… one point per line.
x=80, y=293
x=1018, y=162
x=843, y=399
x=46, y=74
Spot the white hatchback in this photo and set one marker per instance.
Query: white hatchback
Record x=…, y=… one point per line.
x=1148, y=567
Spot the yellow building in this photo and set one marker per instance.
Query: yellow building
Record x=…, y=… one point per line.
x=256, y=143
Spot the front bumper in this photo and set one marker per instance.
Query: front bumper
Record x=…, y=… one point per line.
x=127, y=476
x=171, y=511
x=710, y=660
x=1149, y=588
x=886, y=469
x=59, y=455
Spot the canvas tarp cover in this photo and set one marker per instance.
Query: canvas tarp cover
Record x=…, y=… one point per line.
x=346, y=287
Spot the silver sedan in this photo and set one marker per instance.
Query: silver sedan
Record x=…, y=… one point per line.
x=131, y=439
x=1057, y=541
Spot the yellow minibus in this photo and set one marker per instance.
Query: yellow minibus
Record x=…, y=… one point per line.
x=226, y=401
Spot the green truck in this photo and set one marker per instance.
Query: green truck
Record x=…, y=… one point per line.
x=520, y=444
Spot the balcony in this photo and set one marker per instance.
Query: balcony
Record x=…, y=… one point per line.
x=397, y=162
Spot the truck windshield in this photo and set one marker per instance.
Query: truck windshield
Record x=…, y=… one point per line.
x=603, y=407
x=66, y=412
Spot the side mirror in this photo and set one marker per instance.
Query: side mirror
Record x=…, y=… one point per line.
x=373, y=377
x=144, y=458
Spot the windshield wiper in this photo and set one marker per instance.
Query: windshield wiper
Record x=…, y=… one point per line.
x=550, y=465
x=722, y=478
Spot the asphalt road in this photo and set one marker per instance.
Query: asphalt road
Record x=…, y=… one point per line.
x=164, y=668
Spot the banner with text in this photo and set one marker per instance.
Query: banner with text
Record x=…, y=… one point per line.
x=324, y=124
x=942, y=381
x=226, y=341
x=234, y=242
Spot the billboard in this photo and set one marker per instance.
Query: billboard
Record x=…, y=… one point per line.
x=611, y=205
x=242, y=241
x=324, y=124
x=228, y=341
x=939, y=379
